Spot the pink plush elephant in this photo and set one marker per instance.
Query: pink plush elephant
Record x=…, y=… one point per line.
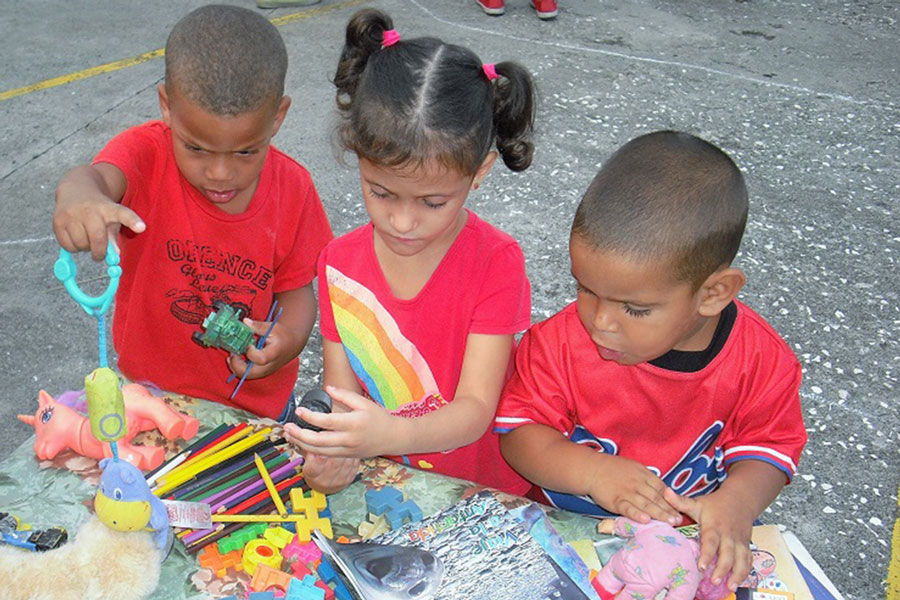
x=655, y=557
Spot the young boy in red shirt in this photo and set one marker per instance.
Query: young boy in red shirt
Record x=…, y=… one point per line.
x=211, y=213
x=657, y=392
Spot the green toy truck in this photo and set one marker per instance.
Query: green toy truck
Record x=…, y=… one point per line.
x=223, y=328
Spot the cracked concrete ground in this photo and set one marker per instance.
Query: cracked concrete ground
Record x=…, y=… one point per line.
x=802, y=95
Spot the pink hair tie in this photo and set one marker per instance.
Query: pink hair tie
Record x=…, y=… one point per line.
x=490, y=71
x=390, y=38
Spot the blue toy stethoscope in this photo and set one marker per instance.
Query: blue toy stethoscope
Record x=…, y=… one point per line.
x=96, y=306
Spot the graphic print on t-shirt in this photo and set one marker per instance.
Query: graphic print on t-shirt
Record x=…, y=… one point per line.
x=389, y=365
x=211, y=274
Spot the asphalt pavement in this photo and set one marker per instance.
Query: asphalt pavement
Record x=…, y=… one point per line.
x=803, y=95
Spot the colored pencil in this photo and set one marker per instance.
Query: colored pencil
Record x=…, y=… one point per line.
x=208, y=483
x=216, y=472
x=187, y=450
x=172, y=482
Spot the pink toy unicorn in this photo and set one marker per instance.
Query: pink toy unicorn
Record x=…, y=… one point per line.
x=59, y=427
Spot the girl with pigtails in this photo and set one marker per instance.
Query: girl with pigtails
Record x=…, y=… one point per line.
x=420, y=305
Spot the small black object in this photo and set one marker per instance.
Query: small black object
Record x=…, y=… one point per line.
x=315, y=400
x=49, y=539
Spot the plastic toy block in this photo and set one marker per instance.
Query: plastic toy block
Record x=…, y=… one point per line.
x=305, y=589
x=343, y=539
x=268, y=579
x=279, y=536
x=240, y=538
x=210, y=558
x=327, y=574
x=407, y=512
x=310, y=505
x=261, y=596
x=378, y=502
x=369, y=529
x=329, y=593
x=304, y=552
x=260, y=552
x=299, y=569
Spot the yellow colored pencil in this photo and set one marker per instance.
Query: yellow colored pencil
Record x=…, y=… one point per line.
x=237, y=435
x=282, y=510
x=211, y=461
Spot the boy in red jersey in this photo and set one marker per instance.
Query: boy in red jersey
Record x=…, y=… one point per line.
x=657, y=392
x=211, y=212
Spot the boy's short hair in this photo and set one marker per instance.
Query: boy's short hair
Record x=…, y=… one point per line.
x=226, y=59
x=667, y=197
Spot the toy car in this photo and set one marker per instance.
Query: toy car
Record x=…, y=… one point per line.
x=223, y=328
x=14, y=533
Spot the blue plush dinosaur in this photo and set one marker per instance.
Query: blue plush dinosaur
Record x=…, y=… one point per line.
x=124, y=502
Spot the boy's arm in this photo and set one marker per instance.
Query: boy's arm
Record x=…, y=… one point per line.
x=87, y=208
x=620, y=485
x=286, y=340
x=368, y=429
x=726, y=516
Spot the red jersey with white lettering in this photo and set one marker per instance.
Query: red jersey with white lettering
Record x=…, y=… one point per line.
x=193, y=253
x=686, y=427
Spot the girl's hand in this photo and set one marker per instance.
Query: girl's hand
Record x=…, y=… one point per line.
x=329, y=474
x=277, y=351
x=359, y=428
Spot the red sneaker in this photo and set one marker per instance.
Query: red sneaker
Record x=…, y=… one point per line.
x=492, y=7
x=546, y=9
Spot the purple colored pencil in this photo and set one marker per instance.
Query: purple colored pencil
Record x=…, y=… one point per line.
x=256, y=485
x=212, y=500
x=278, y=475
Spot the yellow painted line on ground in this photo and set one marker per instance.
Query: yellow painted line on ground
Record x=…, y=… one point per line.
x=141, y=58
x=893, y=592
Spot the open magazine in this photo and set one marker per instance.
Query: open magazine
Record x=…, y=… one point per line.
x=474, y=549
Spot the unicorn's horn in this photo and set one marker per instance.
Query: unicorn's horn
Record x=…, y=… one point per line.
x=26, y=419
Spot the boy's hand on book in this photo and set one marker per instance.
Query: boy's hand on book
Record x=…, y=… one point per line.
x=327, y=474
x=628, y=488
x=725, y=528
x=357, y=427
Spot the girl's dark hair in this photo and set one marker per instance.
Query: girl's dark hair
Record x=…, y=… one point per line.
x=422, y=99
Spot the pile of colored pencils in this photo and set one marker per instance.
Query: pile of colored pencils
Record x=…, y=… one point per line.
x=219, y=469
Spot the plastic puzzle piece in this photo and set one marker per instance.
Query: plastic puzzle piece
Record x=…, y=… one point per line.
x=378, y=502
x=260, y=596
x=210, y=558
x=241, y=537
x=309, y=507
x=327, y=574
x=268, y=579
x=260, y=552
x=407, y=512
x=306, y=552
x=305, y=589
x=299, y=569
x=377, y=526
x=279, y=536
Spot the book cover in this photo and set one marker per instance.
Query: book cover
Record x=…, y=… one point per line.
x=773, y=567
x=474, y=549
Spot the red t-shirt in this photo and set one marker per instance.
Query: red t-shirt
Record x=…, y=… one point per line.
x=686, y=427
x=408, y=354
x=193, y=253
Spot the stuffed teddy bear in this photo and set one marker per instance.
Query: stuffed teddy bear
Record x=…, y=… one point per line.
x=100, y=564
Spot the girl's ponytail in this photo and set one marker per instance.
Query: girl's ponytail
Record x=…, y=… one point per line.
x=514, y=108
x=364, y=37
